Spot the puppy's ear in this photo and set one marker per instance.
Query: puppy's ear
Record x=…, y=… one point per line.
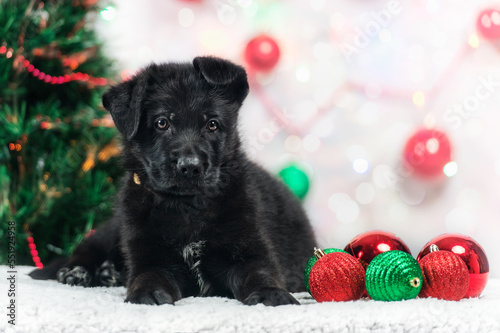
x=220, y=72
x=123, y=101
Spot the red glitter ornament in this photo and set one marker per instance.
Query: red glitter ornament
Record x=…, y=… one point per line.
x=488, y=23
x=368, y=245
x=445, y=276
x=427, y=152
x=338, y=277
x=470, y=252
x=262, y=53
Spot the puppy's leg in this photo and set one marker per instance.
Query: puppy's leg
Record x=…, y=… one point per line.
x=81, y=267
x=88, y=257
x=152, y=288
x=75, y=276
x=156, y=272
x=255, y=283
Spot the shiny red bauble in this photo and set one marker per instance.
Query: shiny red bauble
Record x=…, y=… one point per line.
x=338, y=277
x=470, y=252
x=488, y=23
x=262, y=53
x=445, y=276
x=427, y=152
x=368, y=245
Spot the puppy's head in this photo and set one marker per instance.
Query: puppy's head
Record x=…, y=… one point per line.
x=179, y=122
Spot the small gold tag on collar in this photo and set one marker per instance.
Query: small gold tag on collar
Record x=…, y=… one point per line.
x=137, y=180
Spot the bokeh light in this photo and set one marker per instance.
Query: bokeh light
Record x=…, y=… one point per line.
x=108, y=13
x=185, y=17
x=450, y=169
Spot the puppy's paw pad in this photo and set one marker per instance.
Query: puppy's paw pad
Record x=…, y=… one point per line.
x=106, y=275
x=76, y=276
x=271, y=297
x=150, y=296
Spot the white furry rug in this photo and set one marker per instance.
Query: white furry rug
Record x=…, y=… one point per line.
x=47, y=306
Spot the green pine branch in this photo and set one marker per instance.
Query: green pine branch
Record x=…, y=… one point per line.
x=53, y=180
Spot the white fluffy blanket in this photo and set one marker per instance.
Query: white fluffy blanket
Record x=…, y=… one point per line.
x=46, y=306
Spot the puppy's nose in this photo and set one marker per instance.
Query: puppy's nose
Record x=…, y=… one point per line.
x=189, y=166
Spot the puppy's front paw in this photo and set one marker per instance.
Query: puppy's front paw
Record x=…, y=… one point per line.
x=270, y=296
x=76, y=276
x=150, y=296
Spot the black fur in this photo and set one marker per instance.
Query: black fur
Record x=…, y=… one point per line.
x=204, y=220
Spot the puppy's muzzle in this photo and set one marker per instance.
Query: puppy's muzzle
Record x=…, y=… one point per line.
x=190, y=167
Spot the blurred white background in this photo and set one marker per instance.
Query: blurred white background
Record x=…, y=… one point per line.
x=355, y=79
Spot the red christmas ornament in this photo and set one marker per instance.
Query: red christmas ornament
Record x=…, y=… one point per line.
x=445, y=276
x=338, y=277
x=262, y=53
x=470, y=252
x=368, y=245
x=488, y=23
x=427, y=152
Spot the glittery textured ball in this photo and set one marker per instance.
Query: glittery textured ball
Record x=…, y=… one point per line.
x=445, y=276
x=368, y=245
x=337, y=277
x=311, y=263
x=470, y=252
x=393, y=276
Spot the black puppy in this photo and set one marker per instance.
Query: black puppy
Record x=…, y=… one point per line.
x=194, y=215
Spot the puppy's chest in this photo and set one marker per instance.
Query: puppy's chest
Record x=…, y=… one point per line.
x=193, y=254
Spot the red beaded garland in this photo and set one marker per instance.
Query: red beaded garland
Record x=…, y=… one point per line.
x=34, y=252
x=96, y=81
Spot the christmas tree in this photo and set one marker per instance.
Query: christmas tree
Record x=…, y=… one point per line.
x=58, y=150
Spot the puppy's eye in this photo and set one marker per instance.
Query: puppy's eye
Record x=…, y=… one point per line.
x=212, y=125
x=162, y=124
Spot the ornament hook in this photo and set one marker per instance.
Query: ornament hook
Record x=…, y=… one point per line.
x=318, y=253
x=415, y=282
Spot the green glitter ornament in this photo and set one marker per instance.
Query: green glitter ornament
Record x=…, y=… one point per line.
x=393, y=276
x=312, y=261
x=296, y=179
